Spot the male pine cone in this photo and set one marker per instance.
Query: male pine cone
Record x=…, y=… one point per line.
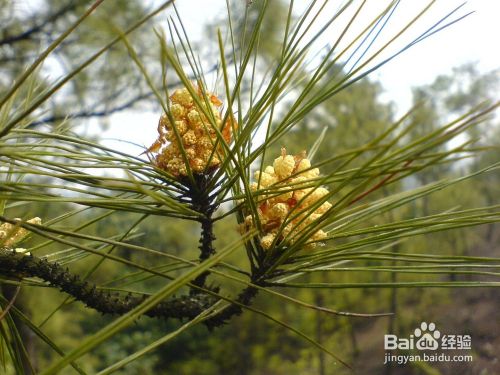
x=188, y=133
x=290, y=201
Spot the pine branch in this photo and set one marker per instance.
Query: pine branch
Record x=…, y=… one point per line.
x=202, y=202
x=16, y=264
x=19, y=265
x=245, y=298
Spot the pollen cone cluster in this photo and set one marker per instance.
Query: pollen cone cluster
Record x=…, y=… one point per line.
x=11, y=234
x=189, y=127
x=284, y=216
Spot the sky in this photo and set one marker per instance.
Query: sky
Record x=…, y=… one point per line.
x=474, y=39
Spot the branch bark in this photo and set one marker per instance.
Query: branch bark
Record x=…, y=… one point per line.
x=19, y=265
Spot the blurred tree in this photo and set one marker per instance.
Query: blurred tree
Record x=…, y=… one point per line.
x=107, y=86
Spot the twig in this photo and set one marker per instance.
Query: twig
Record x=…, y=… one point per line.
x=19, y=264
